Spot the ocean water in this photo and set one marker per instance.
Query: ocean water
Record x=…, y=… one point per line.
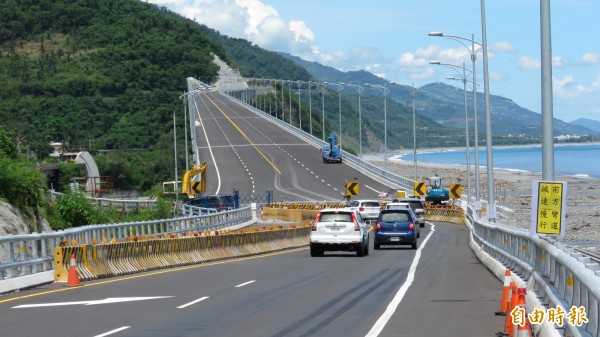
x=579, y=160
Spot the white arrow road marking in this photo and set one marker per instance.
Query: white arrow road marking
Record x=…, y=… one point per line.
x=192, y=302
x=113, y=331
x=244, y=284
x=104, y=301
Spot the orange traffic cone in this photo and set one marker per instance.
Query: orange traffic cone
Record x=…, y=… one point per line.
x=525, y=329
x=73, y=279
x=512, y=302
x=505, y=291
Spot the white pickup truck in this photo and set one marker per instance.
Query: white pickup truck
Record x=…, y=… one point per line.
x=368, y=209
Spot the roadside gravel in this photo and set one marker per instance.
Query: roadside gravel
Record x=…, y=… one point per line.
x=513, y=195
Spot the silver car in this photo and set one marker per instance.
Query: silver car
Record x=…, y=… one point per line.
x=417, y=206
x=339, y=229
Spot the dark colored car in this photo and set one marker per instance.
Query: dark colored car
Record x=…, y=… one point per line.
x=220, y=202
x=397, y=227
x=417, y=206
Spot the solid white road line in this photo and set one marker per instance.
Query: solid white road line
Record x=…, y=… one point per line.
x=243, y=284
x=113, y=331
x=192, y=302
x=391, y=308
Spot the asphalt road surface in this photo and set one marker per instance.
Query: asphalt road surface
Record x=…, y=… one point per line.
x=440, y=289
x=249, y=153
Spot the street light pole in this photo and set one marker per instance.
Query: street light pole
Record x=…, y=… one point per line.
x=467, y=149
x=413, y=93
x=339, y=87
x=310, y=107
x=323, y=109
x=473, y=54
x=359, y=90
x=299, y=106
x=282, y=103
x=290, y=94
x=385, y=91
x=491, y=207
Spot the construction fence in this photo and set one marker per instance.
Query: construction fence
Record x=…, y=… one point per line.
x=94, y=261
x=299, y=212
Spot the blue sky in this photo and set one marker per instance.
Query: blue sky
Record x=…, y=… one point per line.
x=390, y=38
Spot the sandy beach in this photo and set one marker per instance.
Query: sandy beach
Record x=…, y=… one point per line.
x=513, y=194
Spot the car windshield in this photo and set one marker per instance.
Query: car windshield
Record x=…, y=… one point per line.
x=395, y=217
x=336, y=217
x=370, y=204
x=353, y=204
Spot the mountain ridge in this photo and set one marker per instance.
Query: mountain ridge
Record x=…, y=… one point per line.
x=444, y=103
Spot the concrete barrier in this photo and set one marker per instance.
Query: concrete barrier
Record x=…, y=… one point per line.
x=137, y=255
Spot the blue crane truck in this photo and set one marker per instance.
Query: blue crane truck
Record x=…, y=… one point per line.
x=331, y=152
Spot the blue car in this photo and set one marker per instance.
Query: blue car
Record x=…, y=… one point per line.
x=397, y=227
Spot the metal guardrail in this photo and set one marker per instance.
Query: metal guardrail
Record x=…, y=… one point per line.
x=33, y=253
x=104, y=203
x=558, y=276
x=189, y=210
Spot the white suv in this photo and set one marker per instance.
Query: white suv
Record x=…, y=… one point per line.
x=339, y=229
x=368, y=209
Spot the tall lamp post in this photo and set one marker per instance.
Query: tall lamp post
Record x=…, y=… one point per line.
x=359, y=90
x=491, y=207
x=463, y=79
x=413, y=92
x=322, y=90
x=339, y=87
x=290, y=94
x=473, y=52
x=299, y=106
x=385, y=91
x=310, y=106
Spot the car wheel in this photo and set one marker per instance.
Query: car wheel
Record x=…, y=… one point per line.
x=376, y=246
x=414, y=245
x=367, y=248
x=360, y=250
x=418, y=234
x=314, y=251
x=422, y=224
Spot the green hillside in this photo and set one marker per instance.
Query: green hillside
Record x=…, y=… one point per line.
x=105, y=74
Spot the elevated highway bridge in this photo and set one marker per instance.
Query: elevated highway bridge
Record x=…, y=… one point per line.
x=440, y=289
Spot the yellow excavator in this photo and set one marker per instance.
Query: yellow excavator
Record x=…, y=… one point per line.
x=193, y=185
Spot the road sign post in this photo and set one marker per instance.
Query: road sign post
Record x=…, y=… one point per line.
x=420, y=189
x=351, y=188
x=455, y=191
x=548, y=207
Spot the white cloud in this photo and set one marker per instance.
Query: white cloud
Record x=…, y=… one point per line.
x=177, y=3
x=417, y=67
x=302, y=34
x=529, y=63
x=272, y=34
x=590, y=58
x=497, y=77
x=248, y=19
x=503, y=46
x=560, y=62
x=411, y=60
x=578, y=97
